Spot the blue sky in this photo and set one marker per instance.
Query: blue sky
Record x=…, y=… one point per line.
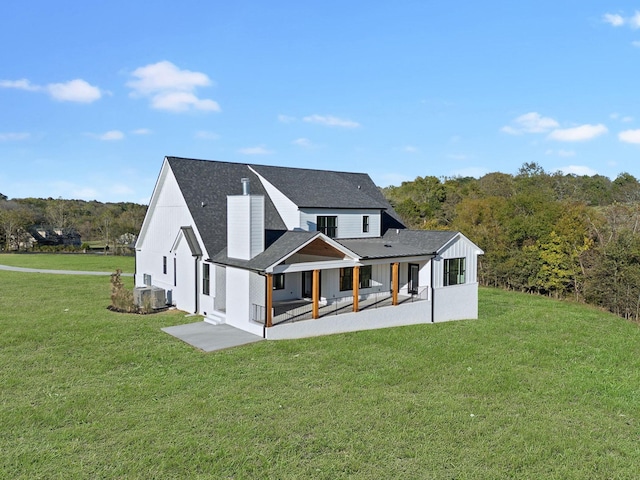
x=93, y=95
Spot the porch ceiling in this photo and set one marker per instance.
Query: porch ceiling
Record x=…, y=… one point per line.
x=321, y=248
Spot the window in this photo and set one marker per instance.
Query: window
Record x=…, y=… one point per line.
x=164, y=265
x=175, y=272
x=454, y=270
x=365, y=224
x=327, y=225
x=346, y=278
x=278, y=281
x=206, y=279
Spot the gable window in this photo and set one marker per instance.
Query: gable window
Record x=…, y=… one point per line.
x=206, y=279
x=164, y=265
x=327, y=225
x=346, y=278
x=365, y=224
x=278, y=281
x=454, y=271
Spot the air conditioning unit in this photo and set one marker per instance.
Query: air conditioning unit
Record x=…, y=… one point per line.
x=150, y=296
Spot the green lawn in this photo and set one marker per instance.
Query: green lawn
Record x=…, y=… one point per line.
x=533, y=389
x=78, y=261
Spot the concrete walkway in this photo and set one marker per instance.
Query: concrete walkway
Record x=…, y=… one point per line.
x=209, y=338
x=58, y=272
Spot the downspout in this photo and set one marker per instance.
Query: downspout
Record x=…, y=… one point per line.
x=433, y=293
x=197, y=286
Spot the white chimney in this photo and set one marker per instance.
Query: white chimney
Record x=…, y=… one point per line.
x=245, y=224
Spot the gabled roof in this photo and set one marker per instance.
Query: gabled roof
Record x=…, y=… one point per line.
x=288, y=243
x=309, y=188
x=205, y=185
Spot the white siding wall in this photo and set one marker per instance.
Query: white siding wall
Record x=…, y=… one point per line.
x=349, y=221
x=245, y=226
x=239, y=300
x=206, y=301
x=286, y=208
x=292, y=288
x=458, y=249
x=161, y=229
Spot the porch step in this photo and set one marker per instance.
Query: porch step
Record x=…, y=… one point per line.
x=216, y=318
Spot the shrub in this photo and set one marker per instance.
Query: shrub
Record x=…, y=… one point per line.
x=121, y=297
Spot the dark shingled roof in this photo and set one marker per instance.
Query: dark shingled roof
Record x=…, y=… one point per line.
x=309, y=188
x=207, y=182
x=400, y=243
x=283, y=246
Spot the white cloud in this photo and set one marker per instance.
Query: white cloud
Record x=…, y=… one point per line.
x=120, y=189
x=613, y=19
x=74, y=91
x=578, y=134
x=531, y=122
x=580, y=170
x=286, y=119
x=410, y=149
x=331, y=121
x=630, y=136
x=170, y=88
x=14, y=136
x=77, y=90
x=142, y=131
x=617, y=20
x=112, y=135
x=181, y=102
x=22, y=84
x=108, y=136
x=303, y=142
x=259, y=150
x=205, y=135
x=636, y=43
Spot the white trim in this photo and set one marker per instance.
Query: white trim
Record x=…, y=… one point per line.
x=341, y=248
x=305, y=266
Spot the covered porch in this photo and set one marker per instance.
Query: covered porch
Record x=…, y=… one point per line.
x=290, y=311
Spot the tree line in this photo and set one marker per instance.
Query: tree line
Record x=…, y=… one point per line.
x=109, y=224
x=554, y=234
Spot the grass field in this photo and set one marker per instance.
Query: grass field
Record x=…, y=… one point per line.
x=76, y=261
x=533, y=389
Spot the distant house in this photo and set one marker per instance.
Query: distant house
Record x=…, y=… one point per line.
x=55, y=236
x=290, y=252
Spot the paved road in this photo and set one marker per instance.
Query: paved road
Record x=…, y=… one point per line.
x=58, y=272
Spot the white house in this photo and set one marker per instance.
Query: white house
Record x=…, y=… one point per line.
x=290, y=252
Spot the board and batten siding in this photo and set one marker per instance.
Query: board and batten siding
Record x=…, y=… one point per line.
x=460, y=248
x=245, y=226
x=169, y=213
x=349, y=221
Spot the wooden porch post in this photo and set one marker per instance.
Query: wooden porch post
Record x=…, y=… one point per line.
x=315, y=294
x=394, y=284
x=269, y=307
x=356, y=286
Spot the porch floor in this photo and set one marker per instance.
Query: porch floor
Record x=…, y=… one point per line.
x=297, y=310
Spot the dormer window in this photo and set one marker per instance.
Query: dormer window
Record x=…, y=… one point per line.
x=327, y=225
